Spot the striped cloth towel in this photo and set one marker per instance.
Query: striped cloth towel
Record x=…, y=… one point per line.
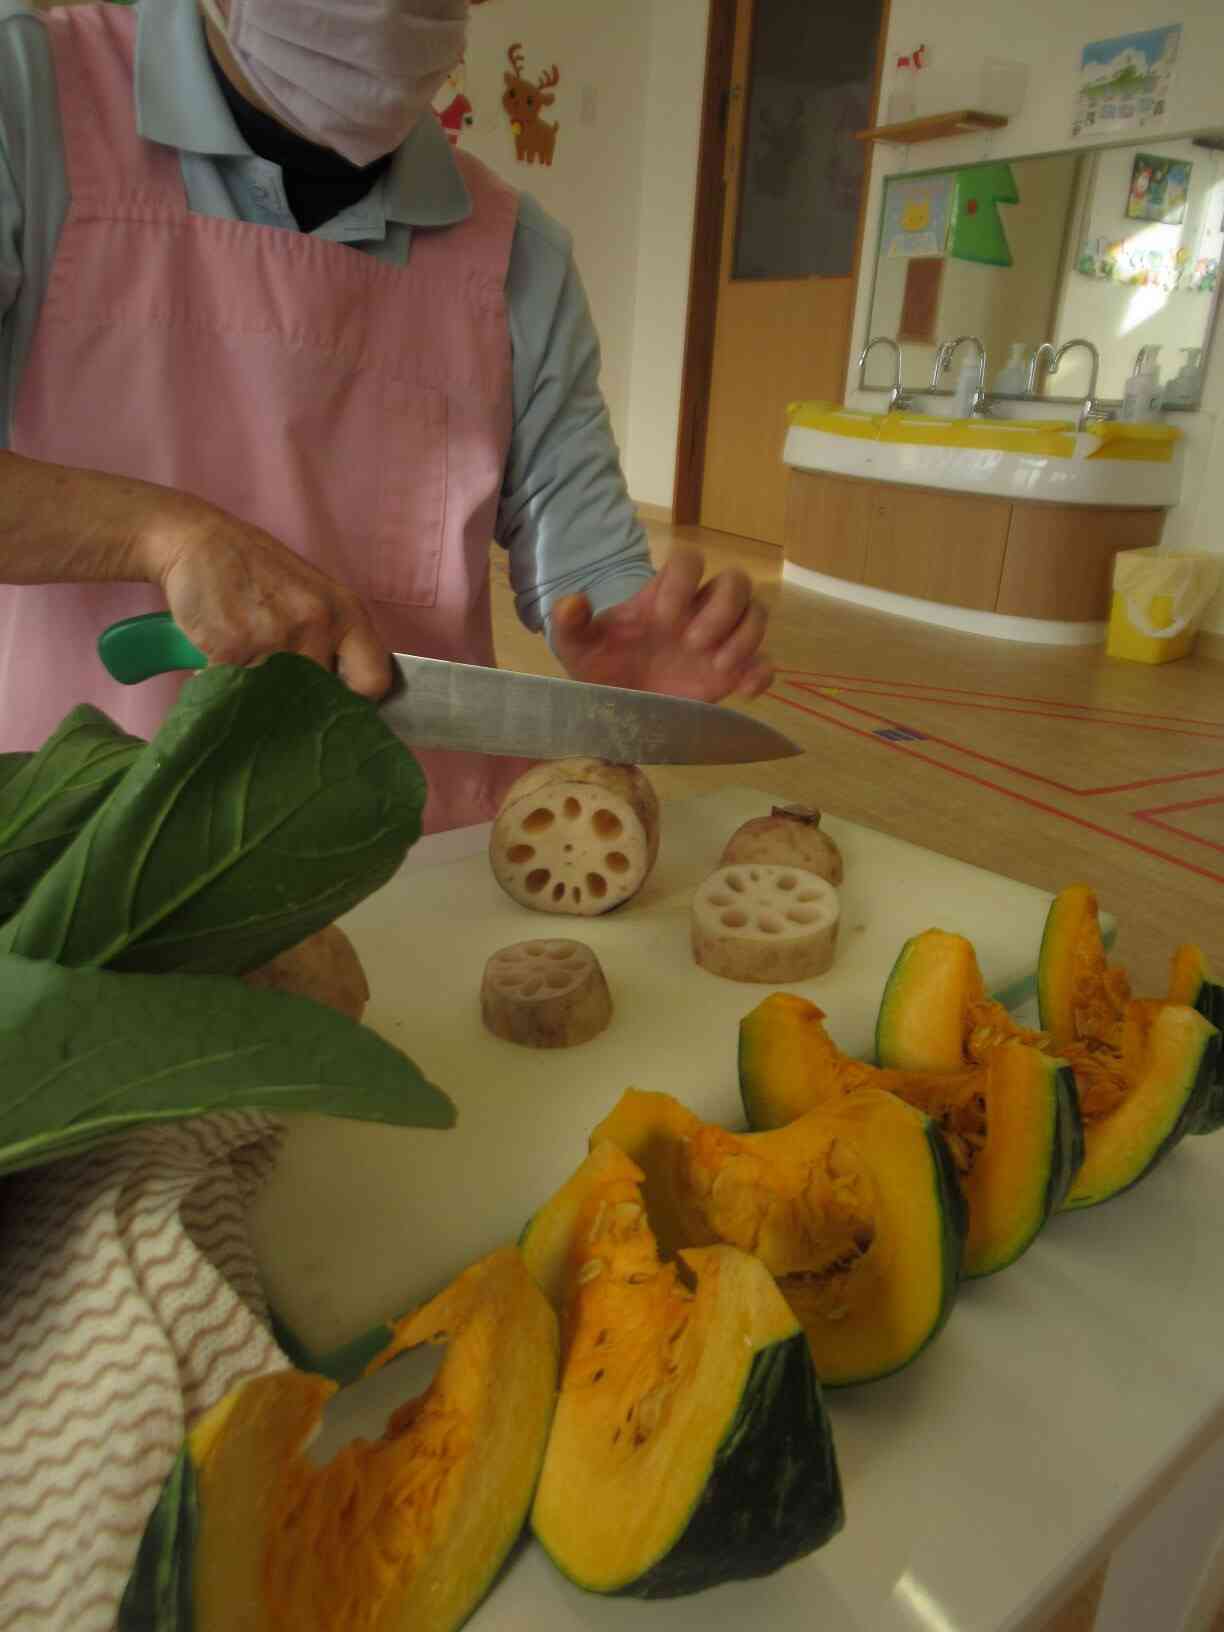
x=129, y=1303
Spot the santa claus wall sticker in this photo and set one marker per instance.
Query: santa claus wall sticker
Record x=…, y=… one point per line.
x=455, y=113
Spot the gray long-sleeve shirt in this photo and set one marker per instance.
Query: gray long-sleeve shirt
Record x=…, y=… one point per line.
x=564, y=515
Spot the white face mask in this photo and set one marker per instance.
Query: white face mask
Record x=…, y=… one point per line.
x=352, y=75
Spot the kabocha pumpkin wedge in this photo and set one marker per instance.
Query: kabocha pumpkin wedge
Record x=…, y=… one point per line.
x=1143, y=1078
x=690, y=1443
x=854, y=1209
x=1083, y=996
x=1011, y=1123
x=403, y=1534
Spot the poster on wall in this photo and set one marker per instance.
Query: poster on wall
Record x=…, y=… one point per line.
x=916, y=216
x=1159, y=189
x=1125, y=82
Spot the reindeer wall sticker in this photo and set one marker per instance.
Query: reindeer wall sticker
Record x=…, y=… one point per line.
x=534, y=137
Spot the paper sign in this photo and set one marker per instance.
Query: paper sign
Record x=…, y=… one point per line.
x=1125, y=82
x=916, y=216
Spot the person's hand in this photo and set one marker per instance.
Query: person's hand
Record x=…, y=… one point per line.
x=676, y=635
x=239, y=595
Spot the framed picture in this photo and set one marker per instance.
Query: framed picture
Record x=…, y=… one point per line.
x=1158, y=189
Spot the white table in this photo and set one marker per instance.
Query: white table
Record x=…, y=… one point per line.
x=1064, y=1397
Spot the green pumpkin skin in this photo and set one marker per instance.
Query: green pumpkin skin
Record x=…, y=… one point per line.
x=159, y=1592
x=776, y=1459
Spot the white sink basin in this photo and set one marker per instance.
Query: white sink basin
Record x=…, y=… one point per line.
x=1014, y=459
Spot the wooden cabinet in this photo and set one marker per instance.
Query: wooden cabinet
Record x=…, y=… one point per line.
x=1019, y=558
x=937, y=546
x=827, y=523
x=1060, y=558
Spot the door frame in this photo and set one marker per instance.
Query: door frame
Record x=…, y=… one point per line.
x=697, y=367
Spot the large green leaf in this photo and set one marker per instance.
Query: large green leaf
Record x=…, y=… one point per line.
x=46, y=798
x=86, y=1054
x=10, y=764
x=271, y=801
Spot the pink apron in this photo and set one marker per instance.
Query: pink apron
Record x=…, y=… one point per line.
x=359, y=412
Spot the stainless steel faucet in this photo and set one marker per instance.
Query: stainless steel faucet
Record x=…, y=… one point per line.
x=895, y=396
x=943, y=361
x=1089, y=402
x=1044, y=350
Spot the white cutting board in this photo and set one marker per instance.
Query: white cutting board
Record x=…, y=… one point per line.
x=360, y=1222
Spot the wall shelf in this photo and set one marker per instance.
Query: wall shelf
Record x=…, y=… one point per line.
x=933, y=127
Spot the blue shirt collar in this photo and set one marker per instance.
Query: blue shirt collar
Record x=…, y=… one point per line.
x=178, y=104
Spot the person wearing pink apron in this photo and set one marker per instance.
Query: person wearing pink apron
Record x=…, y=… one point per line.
x=358, y=411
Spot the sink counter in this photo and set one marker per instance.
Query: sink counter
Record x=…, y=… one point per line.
x=998, y=527
x=1110, y=464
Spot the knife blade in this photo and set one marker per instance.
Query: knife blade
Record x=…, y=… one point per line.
x=433, y=703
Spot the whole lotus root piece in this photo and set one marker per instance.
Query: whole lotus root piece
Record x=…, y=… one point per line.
x=789, y=836
x=324, y=967
x=578, y=836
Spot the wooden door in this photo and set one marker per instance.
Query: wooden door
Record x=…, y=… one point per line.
x=781, y=330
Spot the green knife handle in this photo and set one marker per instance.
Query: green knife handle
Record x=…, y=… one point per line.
x=138, y=648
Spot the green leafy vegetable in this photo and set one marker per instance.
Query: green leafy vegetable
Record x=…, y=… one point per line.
x=46, y=798
x=86, y=1054
x=10, y=764
x=271, y=801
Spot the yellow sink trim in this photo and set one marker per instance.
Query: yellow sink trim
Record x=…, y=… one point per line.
x=1048, y=438
x=1151, y=444
x=1052, y=439
x=827, y=416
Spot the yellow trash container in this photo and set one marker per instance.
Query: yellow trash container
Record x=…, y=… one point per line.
x=1159, y=596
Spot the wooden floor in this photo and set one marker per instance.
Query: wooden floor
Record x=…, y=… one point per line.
x=1049, y=765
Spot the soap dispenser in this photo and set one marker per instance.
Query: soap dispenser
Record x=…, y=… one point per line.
x=1141, y=395
x=1186, y=386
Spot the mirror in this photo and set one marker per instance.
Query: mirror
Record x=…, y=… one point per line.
x=1120, y=246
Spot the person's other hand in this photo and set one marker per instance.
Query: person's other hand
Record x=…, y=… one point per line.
x=676, y=635
x=239, y=595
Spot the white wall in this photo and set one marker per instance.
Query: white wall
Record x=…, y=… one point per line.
x=668, y=200
x=1046, y=35
x=594, y=185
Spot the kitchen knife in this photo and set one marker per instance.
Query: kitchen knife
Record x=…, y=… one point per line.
x=435, y=704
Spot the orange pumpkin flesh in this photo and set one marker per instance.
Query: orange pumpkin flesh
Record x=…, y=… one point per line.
x=690, y=1444
x=1143, y=1070
x=403, y=1532
x=853, y=1208
x=1010, y=1123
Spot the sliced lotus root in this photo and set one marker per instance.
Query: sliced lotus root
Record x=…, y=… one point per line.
x=545, y=994
x=765, y=923
x=579, y=836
